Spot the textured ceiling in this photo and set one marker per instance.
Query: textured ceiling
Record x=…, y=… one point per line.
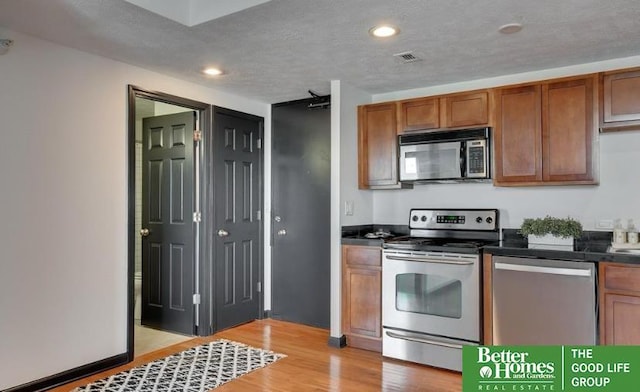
x=278, y=50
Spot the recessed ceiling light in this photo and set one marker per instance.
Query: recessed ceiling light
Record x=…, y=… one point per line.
x=510, y=28
x=383, y=31
x=212, y=71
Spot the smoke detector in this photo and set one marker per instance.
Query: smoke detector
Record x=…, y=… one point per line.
x=5, y=44
x=510, y=28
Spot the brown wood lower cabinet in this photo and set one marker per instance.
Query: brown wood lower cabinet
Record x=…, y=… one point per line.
x=620, y=304
x=361, y=296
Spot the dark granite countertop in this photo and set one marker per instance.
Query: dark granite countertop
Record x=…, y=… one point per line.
x=591, y=247
x=355, y=235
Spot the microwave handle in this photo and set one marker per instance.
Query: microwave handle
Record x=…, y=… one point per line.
x=463, y=162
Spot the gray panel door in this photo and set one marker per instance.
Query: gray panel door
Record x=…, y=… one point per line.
x=237, y=232
x=301, y=167
x=167, y=214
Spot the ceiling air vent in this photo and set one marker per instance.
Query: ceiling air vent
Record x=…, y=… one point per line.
x=407, y=57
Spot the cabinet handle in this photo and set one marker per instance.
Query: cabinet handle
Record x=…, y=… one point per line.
x=543, y=270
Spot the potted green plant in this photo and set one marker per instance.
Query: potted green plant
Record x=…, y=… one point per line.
x=551, y=233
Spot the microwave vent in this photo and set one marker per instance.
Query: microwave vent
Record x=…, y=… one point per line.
x=407, y=57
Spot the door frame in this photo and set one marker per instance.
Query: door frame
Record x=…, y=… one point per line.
x=205, y=117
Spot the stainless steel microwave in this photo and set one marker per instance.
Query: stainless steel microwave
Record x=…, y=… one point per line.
x=459, y=155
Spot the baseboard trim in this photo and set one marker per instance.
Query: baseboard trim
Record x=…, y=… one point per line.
x=68, y=376
x=338, y=342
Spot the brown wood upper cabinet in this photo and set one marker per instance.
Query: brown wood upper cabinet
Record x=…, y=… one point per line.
x=418, y=114
x=544, y=133
x=377, y=146
x=620, y=100
x=466, y=110
x=448, y=111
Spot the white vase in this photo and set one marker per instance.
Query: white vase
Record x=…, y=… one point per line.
x=550, y=242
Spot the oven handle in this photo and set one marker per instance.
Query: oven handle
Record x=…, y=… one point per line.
x=429, y=260
x=426, y=341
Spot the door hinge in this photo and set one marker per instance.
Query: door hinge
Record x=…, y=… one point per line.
x=259, y=288
x=196, y=299
x=197, y=135
x=259, y=215
x=197, y=217
x=259, y=143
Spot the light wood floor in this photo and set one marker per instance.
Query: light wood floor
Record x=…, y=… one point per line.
x=148, y=339
x=311, y=365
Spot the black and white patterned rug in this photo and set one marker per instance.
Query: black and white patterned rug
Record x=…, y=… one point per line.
x=197, y=369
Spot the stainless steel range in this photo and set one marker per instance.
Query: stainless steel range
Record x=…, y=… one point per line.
x=431, y=285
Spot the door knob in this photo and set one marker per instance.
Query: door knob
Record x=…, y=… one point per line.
x=222, y=233
x=144, y=232
x=282, y=232
x=277, y=218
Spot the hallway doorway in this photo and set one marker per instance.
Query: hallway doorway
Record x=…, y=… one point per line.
x=164, y=236
x=164, y=273
x=195, y=219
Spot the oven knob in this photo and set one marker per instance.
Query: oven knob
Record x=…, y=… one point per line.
x=489, y=220
x=414, y=218
x=424, y=218
x=479, y=219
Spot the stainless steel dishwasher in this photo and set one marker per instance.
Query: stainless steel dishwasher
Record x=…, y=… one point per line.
x=543, y=302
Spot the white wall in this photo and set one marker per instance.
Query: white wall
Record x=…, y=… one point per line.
x=63, y=234
x=350, y=98
x=615, y=197
x=344, y=183
x=161, y=108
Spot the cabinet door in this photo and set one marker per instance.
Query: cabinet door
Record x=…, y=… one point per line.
x=361, y=296
x=419, y=114
x=621, y=100
x=518, y=136
x=620, y=277
x=568, y=114
x=466, y=110
x=363, y=304
x=377, y=146
x=621, y=319
x=365, y=256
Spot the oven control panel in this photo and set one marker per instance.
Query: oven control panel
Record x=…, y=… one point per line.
x=480, y=219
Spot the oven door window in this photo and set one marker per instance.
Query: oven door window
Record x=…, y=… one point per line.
x=429, y=294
